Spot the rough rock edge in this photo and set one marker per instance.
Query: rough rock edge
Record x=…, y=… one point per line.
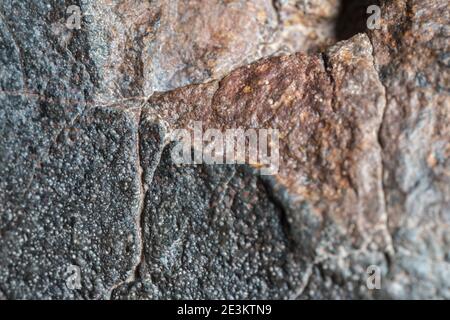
x=128, y=105
x=388, y=250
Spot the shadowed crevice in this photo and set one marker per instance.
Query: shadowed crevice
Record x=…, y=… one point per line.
x=352, y=18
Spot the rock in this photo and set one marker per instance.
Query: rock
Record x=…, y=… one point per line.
x=306, y=26
x=70, y=188
x=202, y=225
x=142, y=47
x=410, y=52
x=72, y=202
x=95, y=207
x=328, y=118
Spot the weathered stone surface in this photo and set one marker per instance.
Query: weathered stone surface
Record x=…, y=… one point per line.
x=306, y=26
x=88, y=180
x=328, y=117
x=411, y=52
x=214, y=232
x=72, y=202
x=328, y=121
x=142, y=47
x=70, y=187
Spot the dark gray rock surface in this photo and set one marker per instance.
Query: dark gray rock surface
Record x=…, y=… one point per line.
x=214, y=232
x=74, y=204
x=70, y=187
x=87, y=180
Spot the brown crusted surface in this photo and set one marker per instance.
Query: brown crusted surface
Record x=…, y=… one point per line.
x=328, y=122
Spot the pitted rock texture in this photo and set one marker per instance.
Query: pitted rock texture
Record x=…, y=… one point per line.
x=70, y=187
x=74, y=204
x=88, y=180
x=201, y=228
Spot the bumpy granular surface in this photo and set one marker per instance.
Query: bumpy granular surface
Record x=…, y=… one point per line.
x=93, y=206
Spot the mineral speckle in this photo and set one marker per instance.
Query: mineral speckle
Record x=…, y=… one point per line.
x=93, y=206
